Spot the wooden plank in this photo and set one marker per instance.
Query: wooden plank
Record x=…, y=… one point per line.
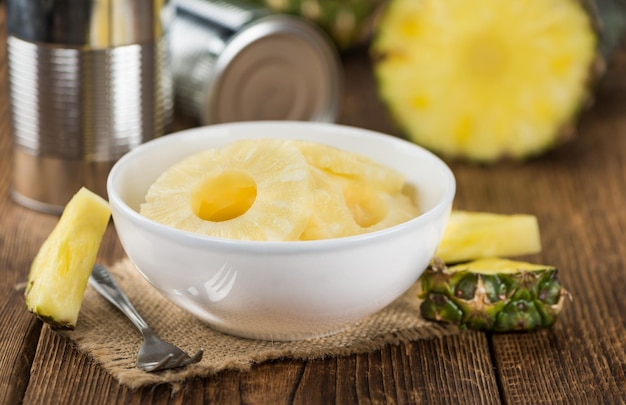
x=437, y=371
x=579, y=196
x=18, y=330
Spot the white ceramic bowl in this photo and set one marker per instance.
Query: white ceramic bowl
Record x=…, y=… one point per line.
x=281, y=290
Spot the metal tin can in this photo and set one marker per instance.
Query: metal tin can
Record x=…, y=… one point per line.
x=238, y=62
x=89, y=80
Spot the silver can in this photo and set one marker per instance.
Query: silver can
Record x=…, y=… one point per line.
x=89, y=80
x=233, y=61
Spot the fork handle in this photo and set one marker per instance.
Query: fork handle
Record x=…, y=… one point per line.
x=102, y=281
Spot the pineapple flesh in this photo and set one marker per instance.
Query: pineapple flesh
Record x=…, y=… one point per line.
x=247, y=190
x=492, y=294
x=345, y=207
x=485, y=80
x=60, y=270
x=351, y=166
x=474, y=235
x=279, y=190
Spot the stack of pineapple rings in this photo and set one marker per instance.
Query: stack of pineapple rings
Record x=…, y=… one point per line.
x=278, y=190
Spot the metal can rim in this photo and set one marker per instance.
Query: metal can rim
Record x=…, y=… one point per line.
x=270, y=25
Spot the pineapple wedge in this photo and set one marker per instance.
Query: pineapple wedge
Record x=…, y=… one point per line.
x=486, y=80
x=492, y=294
x=60, y=270
x=474, y=235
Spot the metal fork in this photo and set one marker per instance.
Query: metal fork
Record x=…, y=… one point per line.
x=154, y=354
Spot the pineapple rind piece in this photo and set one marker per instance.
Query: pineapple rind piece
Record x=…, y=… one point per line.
x=473, y=235
x=492, y=294
x=463, y=81
x=60, y=270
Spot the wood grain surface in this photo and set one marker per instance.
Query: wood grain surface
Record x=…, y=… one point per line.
x=577, y=191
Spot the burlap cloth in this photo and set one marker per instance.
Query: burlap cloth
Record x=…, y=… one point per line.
x=111, y=340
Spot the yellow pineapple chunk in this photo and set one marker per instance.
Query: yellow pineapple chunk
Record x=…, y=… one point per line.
x=60, y=270
x=485, y=80
x=258, y=189
x=475, y=235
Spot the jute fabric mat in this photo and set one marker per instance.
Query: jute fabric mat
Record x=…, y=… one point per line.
x=111, y=340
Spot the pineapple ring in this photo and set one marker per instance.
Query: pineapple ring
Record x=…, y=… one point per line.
x=268, y=186
x=346, y=207
x=351, y=166
x=331, y=217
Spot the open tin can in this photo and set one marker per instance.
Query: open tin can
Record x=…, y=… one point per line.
x=239, y=62
x=89, y=80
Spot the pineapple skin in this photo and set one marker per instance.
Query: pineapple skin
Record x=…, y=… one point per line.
x=347, y=22
x=526, y=297
x=59, y=272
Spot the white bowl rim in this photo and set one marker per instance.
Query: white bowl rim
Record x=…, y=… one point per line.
x=272, y=247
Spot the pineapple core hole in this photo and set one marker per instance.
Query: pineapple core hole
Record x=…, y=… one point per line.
x=365, y=204
x=225, y=196
x=486, y=57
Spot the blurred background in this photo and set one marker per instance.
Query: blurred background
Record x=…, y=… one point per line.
x=481, y=82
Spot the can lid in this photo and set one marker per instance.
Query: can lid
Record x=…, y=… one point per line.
x=278, y=68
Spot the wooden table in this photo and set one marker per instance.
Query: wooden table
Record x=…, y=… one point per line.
x=578, y=192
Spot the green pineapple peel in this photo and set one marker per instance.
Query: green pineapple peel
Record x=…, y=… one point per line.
x=347, y=22
x=492, y=294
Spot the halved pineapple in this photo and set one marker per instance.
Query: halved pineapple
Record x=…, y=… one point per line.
x=492, y=294
x=250, y=190
x=489, y=79
x=60, y=270
x=474, y=235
